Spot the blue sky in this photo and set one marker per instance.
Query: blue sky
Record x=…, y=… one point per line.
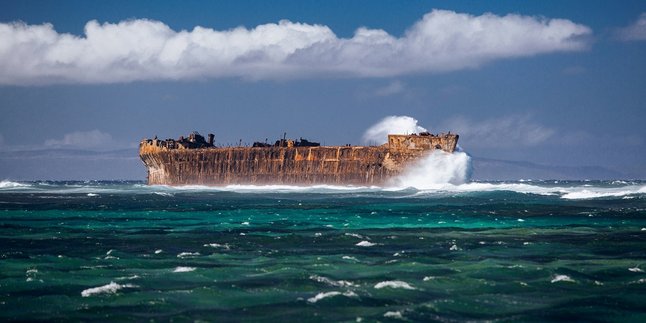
x=555, y=83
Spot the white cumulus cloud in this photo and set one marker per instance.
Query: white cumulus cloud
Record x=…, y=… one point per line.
x=144, y=49
x=82, y=140
x=635, y=31
x=503, y=132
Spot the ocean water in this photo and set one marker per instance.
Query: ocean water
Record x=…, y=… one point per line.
x=519, y=251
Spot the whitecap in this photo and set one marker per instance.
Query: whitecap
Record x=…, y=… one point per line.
x=328, y=281
x=110, y=288
x=181, y=269
x=10, y=184
x=217, y=245
x=188, y=254
x=636, y=270
x=394, y=284
x=365, y=243
x=92, y=194
x=562, y=278
x=394, y=315
x=604, y=192
x=321, y=296
x=454, y=247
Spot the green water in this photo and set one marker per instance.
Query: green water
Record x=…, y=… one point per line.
x=480, y=251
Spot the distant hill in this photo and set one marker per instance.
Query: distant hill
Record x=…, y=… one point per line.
x=71, y=164
x=494, y=169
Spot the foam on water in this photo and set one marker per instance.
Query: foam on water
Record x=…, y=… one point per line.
x=321, y=296
x=217, y=245
x=187, y=254
x=110, y=288
x=394, y=315
x=10, y=184
x=365, y=243
x=328, y=281
x=601, y=193
x=437, y=175
x=562, y=278
x=394, y=284
x=437, y=170
x=181, y=269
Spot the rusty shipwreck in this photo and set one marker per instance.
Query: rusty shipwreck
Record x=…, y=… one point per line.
x=195, y=160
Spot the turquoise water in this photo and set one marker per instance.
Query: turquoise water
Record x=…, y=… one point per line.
x=520, y=251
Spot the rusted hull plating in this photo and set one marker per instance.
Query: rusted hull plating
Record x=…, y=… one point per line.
x=338, y=165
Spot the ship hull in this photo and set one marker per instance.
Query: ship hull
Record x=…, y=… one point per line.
x=337, y=165
x=260, y=166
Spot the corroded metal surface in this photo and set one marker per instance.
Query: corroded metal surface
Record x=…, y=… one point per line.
x=341, y=165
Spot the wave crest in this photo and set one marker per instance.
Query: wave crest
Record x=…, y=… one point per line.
x=437, y=170
x=10, y=184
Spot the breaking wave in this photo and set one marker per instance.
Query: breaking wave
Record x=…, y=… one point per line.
x=422, y=181
x=110, y=288
x=394, y=284
x=10, y=184
x=323, y=295
x=437, y=170
x=593, y=194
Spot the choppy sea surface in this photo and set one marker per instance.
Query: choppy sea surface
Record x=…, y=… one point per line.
x=519, y=251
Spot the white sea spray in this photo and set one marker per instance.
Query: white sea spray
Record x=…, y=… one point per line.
x=110, y=288
x=182, y=269
x=378, y=133
x=188, y=254
x=394, y=284
x=323, y=295
x=562, y=278
x=328, y=281
x=438, y=170
x=365, y=243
